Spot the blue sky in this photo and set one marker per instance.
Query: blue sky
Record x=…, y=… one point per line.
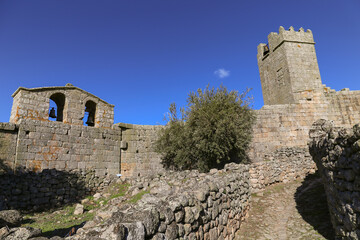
x=141, y=55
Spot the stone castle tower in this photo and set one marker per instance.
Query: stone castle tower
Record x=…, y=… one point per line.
x=288, y=67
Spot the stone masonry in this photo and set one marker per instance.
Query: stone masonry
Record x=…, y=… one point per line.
x=8, y=140
x=50, y=188
x=294, y=98
x=137, y=155
x=47, y=145
x=288, y=66
x=285, y=165
x=293, y=94
x=71, y=105
x=337, y=156
x=180, y=205
x=32, y=142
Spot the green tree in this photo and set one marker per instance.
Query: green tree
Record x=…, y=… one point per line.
x=215, y=128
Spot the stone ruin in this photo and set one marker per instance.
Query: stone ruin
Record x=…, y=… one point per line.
x=83, y=140
x=61, y=144
x=294, y=98
x=72, y=105
x=76, y=132
x=336, y=152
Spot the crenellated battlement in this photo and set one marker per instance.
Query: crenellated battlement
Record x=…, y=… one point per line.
x=276, y=39
x=288, y=66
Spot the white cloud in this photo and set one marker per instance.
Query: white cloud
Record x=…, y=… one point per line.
x=222, y=73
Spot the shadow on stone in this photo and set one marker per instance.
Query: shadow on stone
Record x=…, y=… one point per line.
x=63, y=232
x=49, y=189
x=4, y=168
x=312, y=205
x=27, y=221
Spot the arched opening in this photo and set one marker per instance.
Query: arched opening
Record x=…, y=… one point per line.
x=90, y=109
x=56, y=108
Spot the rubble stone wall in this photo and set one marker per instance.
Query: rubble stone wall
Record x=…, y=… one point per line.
x=47, y=189
x=337, y=156
x=181, y=205
x=284, y=165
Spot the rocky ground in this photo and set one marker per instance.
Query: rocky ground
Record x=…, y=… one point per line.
x=295, y=210
x=65, y=220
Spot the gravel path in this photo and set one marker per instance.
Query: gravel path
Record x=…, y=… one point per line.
x=295, y=210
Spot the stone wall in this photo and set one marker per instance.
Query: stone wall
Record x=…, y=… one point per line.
x=181, y=205
x=47, y=189
x=8, y=139
x=284, y=165
x=287, y=125
x=36, y=145
x=337, y=156
x=46, y=145
x=277, y=127
x=33, y=103
x=288, y=66
x=289, y=75
x=138, y=157
x=294, y=95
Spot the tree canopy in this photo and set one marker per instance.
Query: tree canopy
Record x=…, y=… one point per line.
x=214, y=128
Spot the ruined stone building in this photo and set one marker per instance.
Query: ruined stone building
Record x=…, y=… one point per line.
x=294, y=96
x=78, y=132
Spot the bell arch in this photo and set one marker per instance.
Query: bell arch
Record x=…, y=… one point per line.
x=90, y=110
x=57, y=112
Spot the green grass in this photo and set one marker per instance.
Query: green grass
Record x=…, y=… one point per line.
x=61, y=221
x=137, y=196
x=184, y=180
x=118, y=189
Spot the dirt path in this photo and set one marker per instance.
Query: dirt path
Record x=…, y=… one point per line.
x=295, y=210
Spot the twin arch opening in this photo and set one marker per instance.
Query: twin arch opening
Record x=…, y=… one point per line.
x=56, y=109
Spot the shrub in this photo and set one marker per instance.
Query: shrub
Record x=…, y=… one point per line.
x=215, y=128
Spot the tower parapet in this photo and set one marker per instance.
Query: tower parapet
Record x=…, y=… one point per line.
x=288, y=66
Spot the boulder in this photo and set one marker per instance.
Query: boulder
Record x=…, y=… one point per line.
x=10, y=218
x=79, y=209
x=22, y=233
x=97, y=196
x=3, y=232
